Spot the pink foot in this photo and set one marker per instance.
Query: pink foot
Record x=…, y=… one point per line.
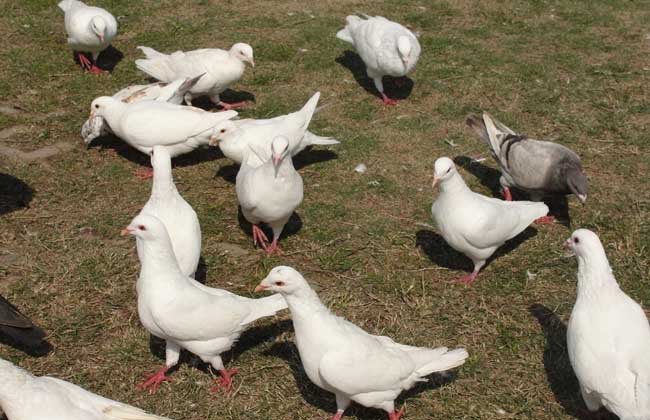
x=507, y=195
x=259, y=237
x=274, y=247
x=143, y=173
x=225, y=382
x=545, y=220
x=396, y=415
x=338, y=415
x=96, y=70
x=387, y=100
x=85, y=63
x=152, y=383
x=468, y=279
x=226, y=106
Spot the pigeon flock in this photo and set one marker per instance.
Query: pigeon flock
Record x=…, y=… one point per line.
x=608, y=335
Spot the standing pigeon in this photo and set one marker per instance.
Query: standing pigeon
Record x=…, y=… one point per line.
x=608, y=336
x=341, y=358
x=474, y=224
x=24, y=396
x=221, y=68
x=145, y=124
x=173, y=93
x=176, y=214
x=182, y=311
x=19, y=327
x=387, y=48
x=90, y=29
x=269, y=193
x=537, y=167
x=237, y=136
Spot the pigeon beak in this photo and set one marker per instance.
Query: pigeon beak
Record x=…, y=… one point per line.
x=101, y=38
x=582, y=198
x=261, y=287
x=252, y=62
x=276, y=163
x=435, y=181
x=126, y=231
x=567, y=244
x=213, y=141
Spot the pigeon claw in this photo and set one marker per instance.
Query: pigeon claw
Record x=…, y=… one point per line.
x=274, y=247
x=545, y=220
x=225, y=382
x=396, y=415
x=468, y=279
x=507, y=195
x=95, y=70
x=225, y=106
x=388, y=101
x=259, y=237
x=152, y=383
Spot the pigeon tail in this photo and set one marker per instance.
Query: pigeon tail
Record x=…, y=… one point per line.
x=437, y=360
x=264, y=307
x=345, y=34
x=66, y=5
x=129, y=413
x=150, y=52
x=310, y=139
x=155, y=65
x=309, y=108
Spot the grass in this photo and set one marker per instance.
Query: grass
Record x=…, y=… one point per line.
x=572, y=71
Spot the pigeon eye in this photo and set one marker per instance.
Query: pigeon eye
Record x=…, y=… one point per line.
x=279, y=283
x=448, y=170
x=576, y=240
x=96, y=106
x=142, y=227
x=223, y=130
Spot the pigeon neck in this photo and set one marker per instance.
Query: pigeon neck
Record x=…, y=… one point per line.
x=12, y=380
x=595, y=274
x=113, y=112
x=163, y=181
x=454, y=184
x=157, y=256
x=304, y=302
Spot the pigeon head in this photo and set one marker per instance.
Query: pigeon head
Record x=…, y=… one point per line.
x=279, y=151
x=284, y=280
x=99, y=107
x=404, y=48
x=145, y=227
x=444, y=169
x=577, y=183
x=243, y=52
x=98, y=26
x=583, y=243
x=221, y=131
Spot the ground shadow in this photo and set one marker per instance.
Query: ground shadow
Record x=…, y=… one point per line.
x=14, y=194
x=228, y=96
x=228, y=172
x=292, y=227
x=201, y=271
x=250, y=338
x=559, y=372
x=489, y=177
x=40, y=350
x=354, y=63
x=326, y=401
x=111, y=142
x=440, y=253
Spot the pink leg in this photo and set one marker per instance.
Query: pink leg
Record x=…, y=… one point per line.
x=226, y=106
x=468, y=279
x=507, y=195
x=85, y=63
x=152, y=383
x=259, y=237
x=545, y=220
x=143, y=173
x=396, y=415
x=274, y=247
x=338, y=415
x=387, y=100
x=225, y=382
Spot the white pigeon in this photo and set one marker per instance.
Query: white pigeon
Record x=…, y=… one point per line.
x=387, y=48
x=269, y=193
x=177, y=215
x=237, y=136
x=183, y=312
x=342, y=358
x=608, y=336
x=173, y=93
x=90, y=29
x=221, y=68
x=24, y=396
x=144, y=124
x=474, y=224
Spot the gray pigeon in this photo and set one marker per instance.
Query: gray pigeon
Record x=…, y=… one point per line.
x=539, y=168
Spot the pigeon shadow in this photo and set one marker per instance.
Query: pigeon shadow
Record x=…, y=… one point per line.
x=107, y=59
x=228, y=96
x=489, y=178
x=559, y=372
x=249, y=339
x=201, y=271
x=440, y=253
x=292, y=227
x=40, y=350
x=228, y=172
x=111, y=142
x=396, y=88
x=326, y=401
x=14, y=194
